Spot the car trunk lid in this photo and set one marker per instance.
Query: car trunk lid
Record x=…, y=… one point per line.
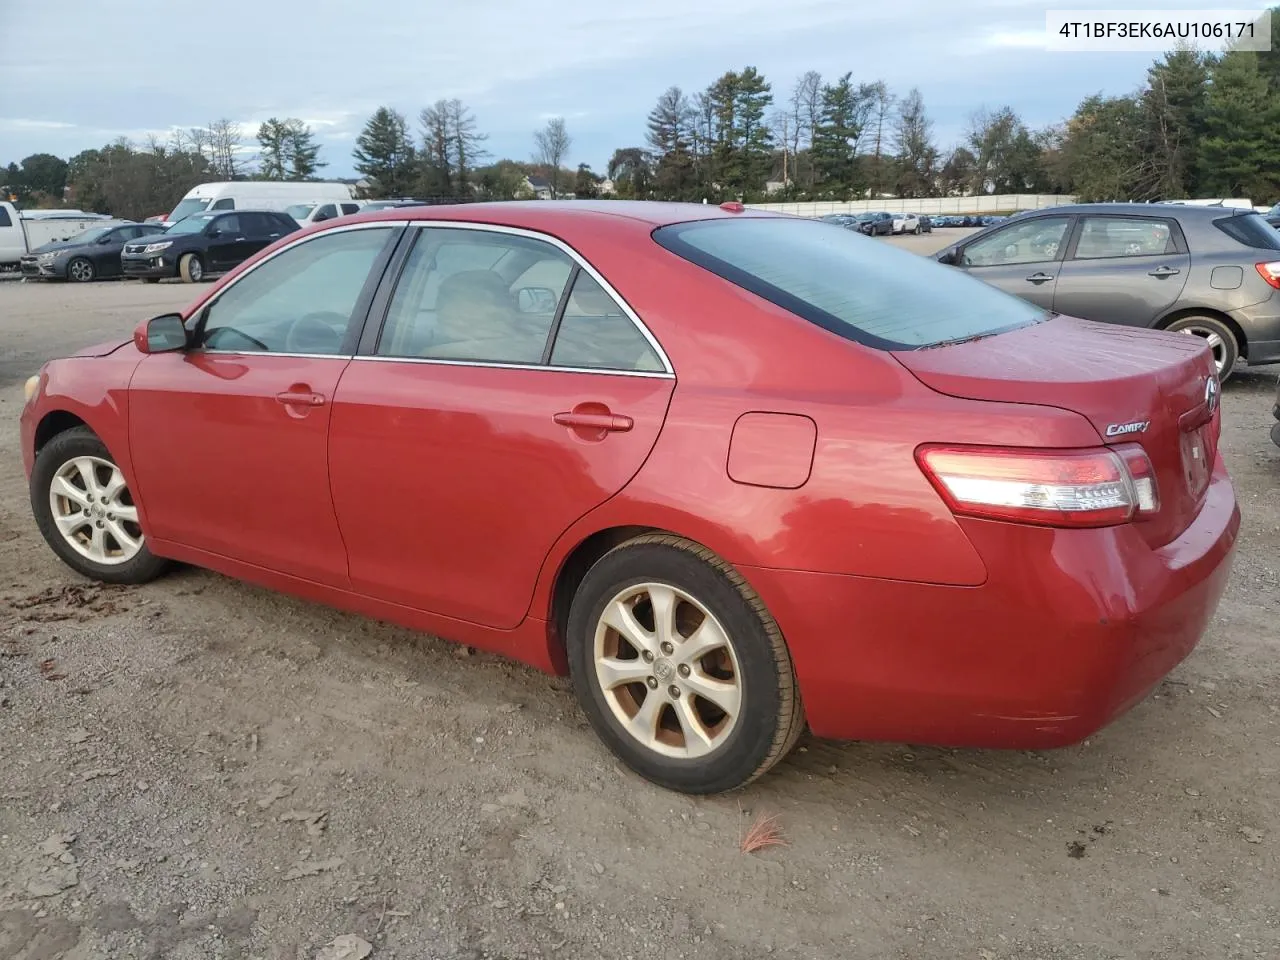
x=1133, y=385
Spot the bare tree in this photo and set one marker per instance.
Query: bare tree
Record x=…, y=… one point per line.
x=782, y=125
x=806, y=111
x=467, y=145
x=550, y=147
x=225, y=138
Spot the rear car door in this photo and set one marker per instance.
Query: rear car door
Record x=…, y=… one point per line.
x=1123, y=269
x=468, y=434
x=229, y=438
x=1023, y=258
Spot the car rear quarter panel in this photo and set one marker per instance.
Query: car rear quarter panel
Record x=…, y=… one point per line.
x=866, y=508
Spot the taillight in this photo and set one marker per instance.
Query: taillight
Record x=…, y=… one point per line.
x=1057, y=488
x=1270, y=272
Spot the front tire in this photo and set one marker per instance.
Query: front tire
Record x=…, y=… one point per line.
x=81, y=270
x=680, y=668
x=86, y=513
x=191, y=268
x=1219, y=338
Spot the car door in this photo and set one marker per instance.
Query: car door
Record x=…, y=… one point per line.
x=465, y=440
x=229, y=438
x=1123, y=269
x=106, y=253
x=260, y=230
x=1023, y=258
x=226, y=240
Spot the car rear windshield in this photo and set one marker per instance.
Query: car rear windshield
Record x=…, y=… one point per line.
x=1251, y=230
x=857, y=287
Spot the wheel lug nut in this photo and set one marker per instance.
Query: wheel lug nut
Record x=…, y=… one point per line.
x=99, y=524
x=667, y=648
x=653, y=683
x=684, y=670
x=674, y=691
x=647, y=656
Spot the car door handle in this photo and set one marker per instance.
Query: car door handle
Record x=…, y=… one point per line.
x=1163, y=272
x=300, y=398
x=613, y=422
x=1039, y=278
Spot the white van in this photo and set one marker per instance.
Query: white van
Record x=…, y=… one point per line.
x=255, y=195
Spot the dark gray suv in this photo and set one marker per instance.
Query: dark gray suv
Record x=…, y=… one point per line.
x=1212, y=272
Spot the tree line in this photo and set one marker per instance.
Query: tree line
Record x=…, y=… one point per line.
x=1199, y=125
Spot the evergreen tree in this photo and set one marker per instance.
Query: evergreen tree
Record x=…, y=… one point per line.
x=385, y=155
x=671, y=137
x=834, y=151
x=303, y=151
x=1240, y=152
x=1173, y=108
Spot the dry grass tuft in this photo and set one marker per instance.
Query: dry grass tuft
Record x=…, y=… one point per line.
x=764, y=832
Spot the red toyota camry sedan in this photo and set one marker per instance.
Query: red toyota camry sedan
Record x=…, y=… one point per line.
x=734, y=473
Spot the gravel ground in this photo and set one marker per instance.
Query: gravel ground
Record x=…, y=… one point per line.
x=202, y=769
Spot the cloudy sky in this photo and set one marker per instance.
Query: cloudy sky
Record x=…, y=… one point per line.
x=115, y=68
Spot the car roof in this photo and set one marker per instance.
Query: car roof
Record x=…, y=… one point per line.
x=544, y=213
x=1179, y=211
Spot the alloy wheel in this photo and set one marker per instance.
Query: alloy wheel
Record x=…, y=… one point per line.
x=81, y=270
x=668, y=670
x=94, y=512
x=1214, y=341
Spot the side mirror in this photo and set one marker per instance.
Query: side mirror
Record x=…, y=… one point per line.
x=949, y=257
x=107, y=239
x=162, y=334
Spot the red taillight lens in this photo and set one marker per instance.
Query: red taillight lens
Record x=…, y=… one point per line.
x=1270, y=272
x=1086, y=488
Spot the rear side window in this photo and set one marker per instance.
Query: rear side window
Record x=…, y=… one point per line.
x=854, y=286
x=226, y=203
x=5, y=220
x=1250, y=230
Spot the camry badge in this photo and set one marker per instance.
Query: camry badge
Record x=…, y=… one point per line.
x=1123, y=429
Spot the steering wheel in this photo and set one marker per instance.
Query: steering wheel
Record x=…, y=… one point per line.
x=318, y=332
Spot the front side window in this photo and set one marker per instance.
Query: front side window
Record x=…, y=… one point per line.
x=475, y=295
x=1033, y=241
x=852, y=285
x=300, y=301
x=226, y=203
x=228, y=226
x=1107, y=237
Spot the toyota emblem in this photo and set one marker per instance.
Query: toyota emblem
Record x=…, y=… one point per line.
x=1211, y=391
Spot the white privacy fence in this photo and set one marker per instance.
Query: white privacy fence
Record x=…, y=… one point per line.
x=999, y=203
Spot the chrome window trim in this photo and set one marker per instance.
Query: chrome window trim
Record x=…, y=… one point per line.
x=498, y=365
x=667, y=373
x=667, y=369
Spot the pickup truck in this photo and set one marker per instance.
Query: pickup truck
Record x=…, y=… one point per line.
x=21, y=232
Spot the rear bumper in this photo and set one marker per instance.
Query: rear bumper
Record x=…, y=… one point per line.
x=149, y=266
x=1071, y=629
x=1260, y=324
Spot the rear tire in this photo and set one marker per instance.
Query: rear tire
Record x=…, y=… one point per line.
x=191, y=268
x=1219, y=337
x=84, y=510
x=727, y=704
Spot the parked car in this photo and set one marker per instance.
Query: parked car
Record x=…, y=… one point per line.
x=926, y=224
x=24, y=231
x=318, y=211
x=906, y=223
x=1272, y=216
x=204, y=244
x=1211, y=272
x=478, y=425
x=256, y=195
x=92, y=255
x=876, y=224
